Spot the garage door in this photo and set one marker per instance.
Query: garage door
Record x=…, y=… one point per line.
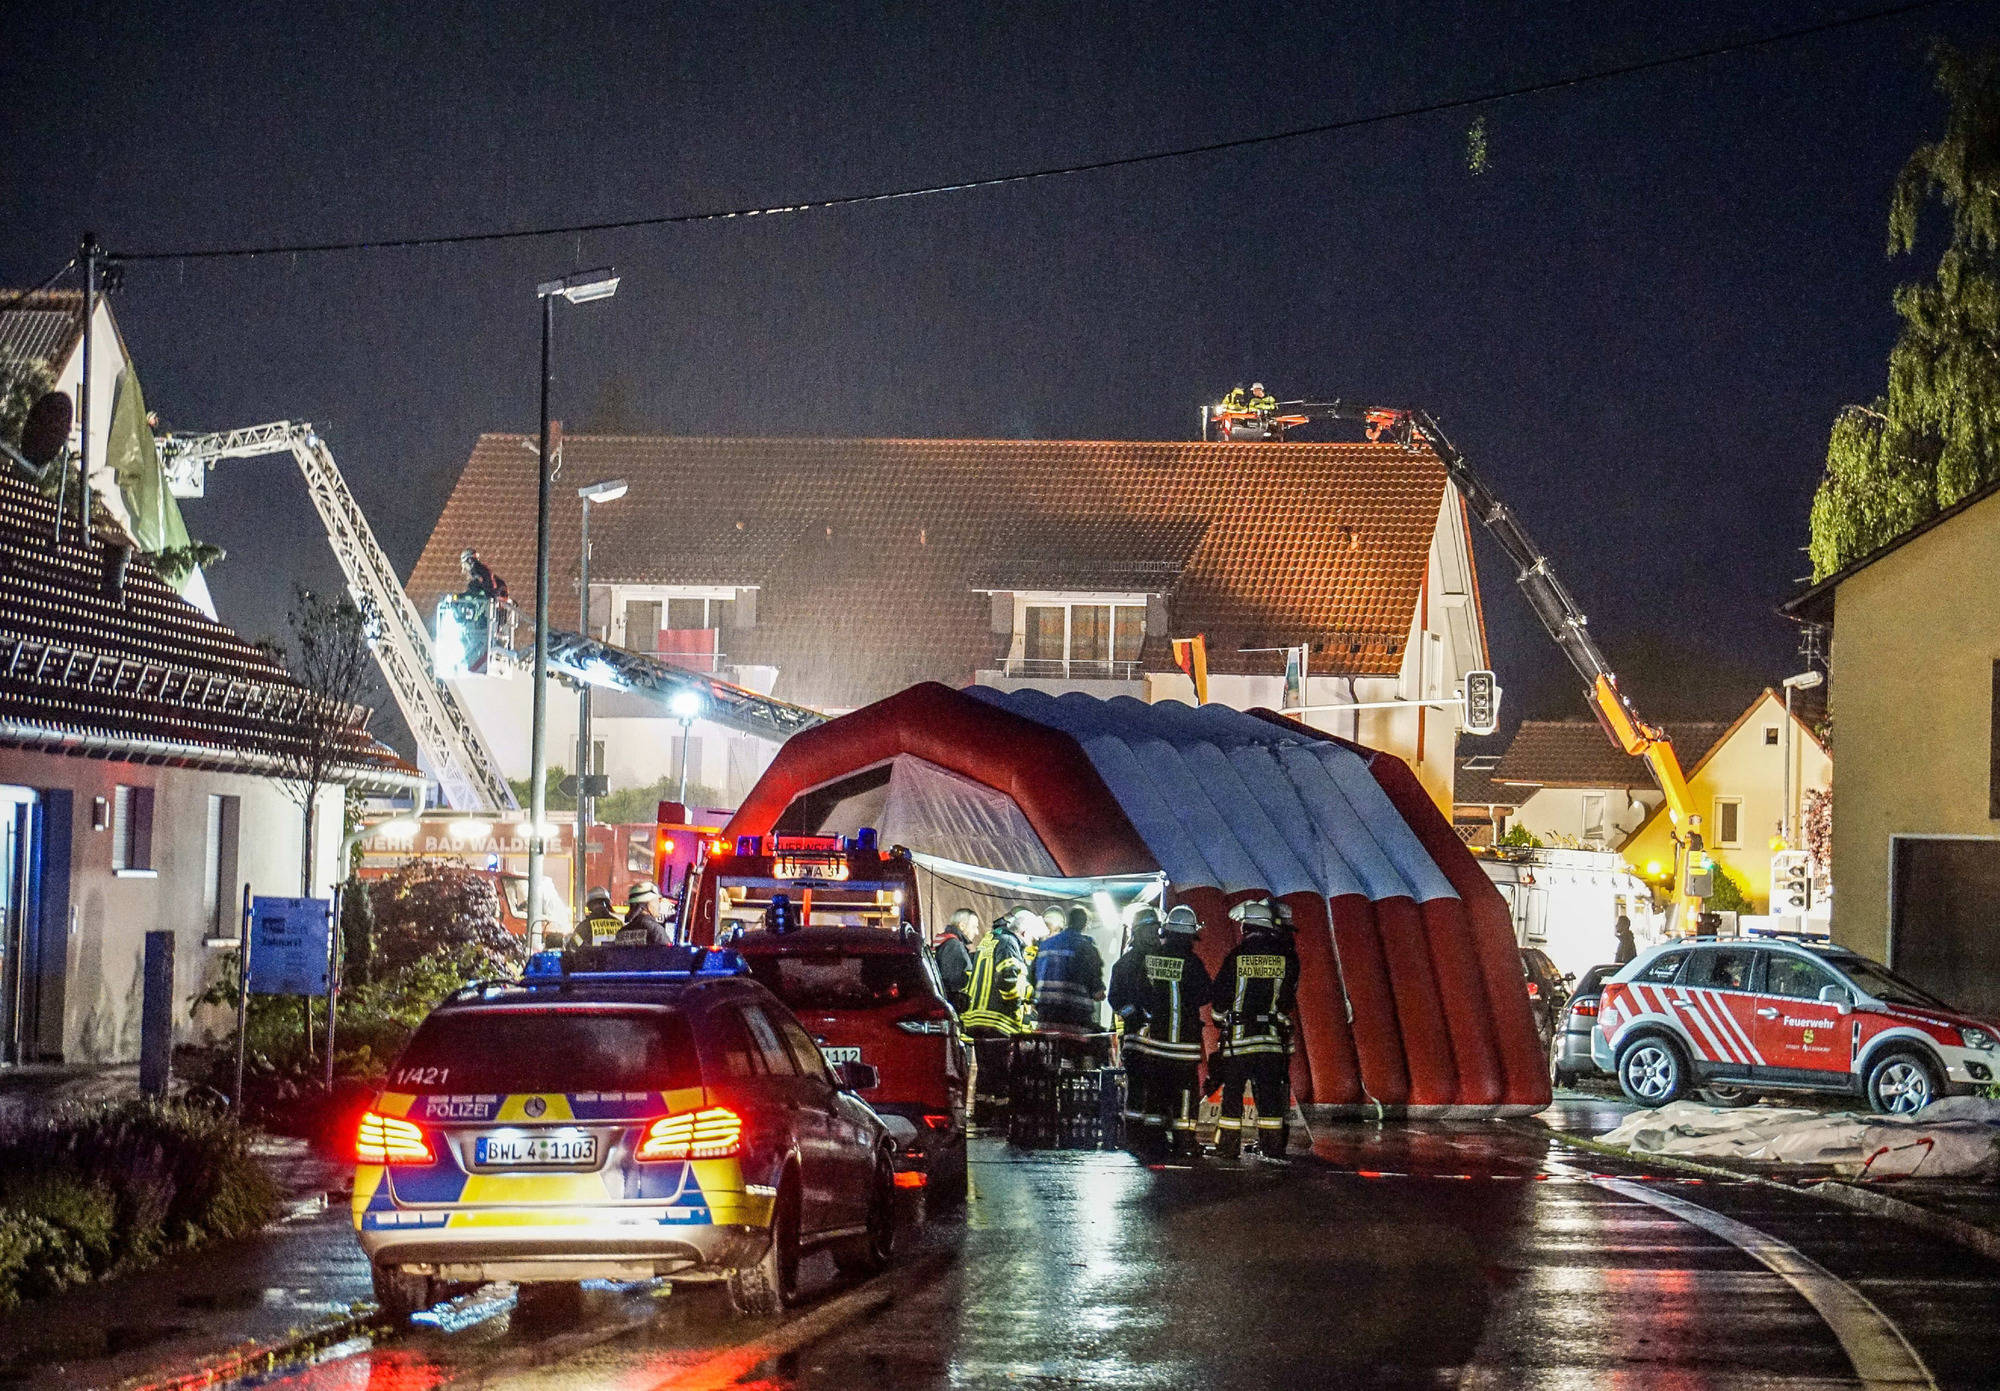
x=1945, y=919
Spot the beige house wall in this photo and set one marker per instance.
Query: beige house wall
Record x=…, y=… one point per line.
x=1752, y=772
x=1915, y=636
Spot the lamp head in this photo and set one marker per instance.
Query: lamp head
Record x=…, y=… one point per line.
x=582, y=287
x=610, y=490
x=686, y=705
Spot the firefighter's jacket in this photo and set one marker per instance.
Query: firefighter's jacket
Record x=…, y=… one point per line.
x=1234, y=400
x=998, y=992
x=599, y=929
x=1069, y=980
x=954, y=968
x=1265, y=402
x=1158, y=993
x=1254, y=993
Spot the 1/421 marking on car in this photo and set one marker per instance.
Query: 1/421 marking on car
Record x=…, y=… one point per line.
x=562, y=1149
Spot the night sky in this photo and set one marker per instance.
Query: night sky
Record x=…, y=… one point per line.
x=1639, y=321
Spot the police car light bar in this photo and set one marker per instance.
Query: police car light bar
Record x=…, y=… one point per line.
x=647, y=963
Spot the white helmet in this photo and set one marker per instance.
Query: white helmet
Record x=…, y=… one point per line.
x=1181, y=918
x=1253, y=912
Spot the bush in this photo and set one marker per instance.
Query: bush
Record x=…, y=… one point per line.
x=95, y=1190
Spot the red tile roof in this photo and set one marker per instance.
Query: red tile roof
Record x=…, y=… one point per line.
x=869, y=554
x=1578, y=753
x=1475, y=787
x=131, y=669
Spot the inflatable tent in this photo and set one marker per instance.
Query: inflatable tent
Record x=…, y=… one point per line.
x=1412, y=997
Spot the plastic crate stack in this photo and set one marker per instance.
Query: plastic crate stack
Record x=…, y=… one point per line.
x=1063, y=1097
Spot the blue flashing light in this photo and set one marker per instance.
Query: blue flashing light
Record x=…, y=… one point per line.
x=746, y=845
x=863, y=839
x=543, y=965
x=634, y=964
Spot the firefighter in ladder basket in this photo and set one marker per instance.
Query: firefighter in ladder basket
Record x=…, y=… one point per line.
x=1252, y=1008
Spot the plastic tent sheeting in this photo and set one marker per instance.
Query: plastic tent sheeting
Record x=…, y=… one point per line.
x=1958, y=1137
x=1411, y=993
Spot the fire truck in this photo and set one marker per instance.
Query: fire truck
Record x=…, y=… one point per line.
x=829, y=881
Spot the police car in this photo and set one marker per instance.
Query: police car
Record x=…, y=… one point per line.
x=622, y=1113
x=1737, y=1017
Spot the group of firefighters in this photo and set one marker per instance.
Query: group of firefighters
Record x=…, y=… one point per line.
x=646, y=922
x=1042, y=973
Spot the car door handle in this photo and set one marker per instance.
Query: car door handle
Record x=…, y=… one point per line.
x=1767, y=1013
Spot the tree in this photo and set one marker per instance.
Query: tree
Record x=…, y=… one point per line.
x=1933, y=437
x=22, y=383
x=329, y=658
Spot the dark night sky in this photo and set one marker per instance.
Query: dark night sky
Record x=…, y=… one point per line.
x=1639, y=321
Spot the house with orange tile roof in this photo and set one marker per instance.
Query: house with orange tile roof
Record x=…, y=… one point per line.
x=834, y=572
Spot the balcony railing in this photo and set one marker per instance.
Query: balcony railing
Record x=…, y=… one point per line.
x=1072, y=669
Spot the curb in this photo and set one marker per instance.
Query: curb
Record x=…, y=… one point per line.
x=249, y=1358
x=1852, y=1196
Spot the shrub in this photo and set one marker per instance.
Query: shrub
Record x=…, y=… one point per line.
x=93, y=1190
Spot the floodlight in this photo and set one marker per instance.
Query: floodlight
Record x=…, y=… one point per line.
x=610, y=490
x=582, y=287
x=686, y=705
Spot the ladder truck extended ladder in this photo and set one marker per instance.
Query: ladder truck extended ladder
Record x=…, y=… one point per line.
x=459, y=757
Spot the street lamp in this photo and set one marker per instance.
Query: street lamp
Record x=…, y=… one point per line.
x=686, y=706
x=579, y=288
x=1804, y=681
x=610, y=490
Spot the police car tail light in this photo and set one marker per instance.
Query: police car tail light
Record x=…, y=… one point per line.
x=391, y=1140
x=716, y=1133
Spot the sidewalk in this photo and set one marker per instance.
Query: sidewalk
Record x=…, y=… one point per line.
x=1964, y=1211
x=301, y=1276
x=36, y=1089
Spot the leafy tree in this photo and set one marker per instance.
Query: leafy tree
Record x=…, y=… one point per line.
x=1520, y=835
x=433, y=909
x=1934, y=436
x=1727, y=894
x=22, y=382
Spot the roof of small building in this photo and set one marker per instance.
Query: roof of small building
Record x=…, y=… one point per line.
x=1815, y=604
x=870, y=555
x=98, y=654
x=1578, y=753
x=40, y=326
x=1473, y=785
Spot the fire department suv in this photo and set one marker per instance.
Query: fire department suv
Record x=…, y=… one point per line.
x=1738, y=1017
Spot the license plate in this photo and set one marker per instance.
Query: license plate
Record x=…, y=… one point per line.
x=562, y=1150
x=842, y=1055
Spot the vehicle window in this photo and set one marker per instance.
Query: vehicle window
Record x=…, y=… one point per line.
x=804, y=1051
x=549, y=1050
x=1723, y=968
x=1794, y=977
x=1663, y=969
x=841, y=980
x=1884, y=984
x=1593, y=979
x=726, y=1046
x=776, y=1059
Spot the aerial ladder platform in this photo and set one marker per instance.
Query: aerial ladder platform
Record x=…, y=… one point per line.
x=458, y=754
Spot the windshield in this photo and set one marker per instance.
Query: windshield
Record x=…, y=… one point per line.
x=549, y=1050
x=1883, y=983
x=841, y=980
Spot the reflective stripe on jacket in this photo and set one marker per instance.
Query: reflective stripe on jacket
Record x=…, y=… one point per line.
x=1253, y=996
x=998, y=990
x=1069, y=980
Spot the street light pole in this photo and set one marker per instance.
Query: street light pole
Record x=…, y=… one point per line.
x=1804, y=681
x=577, y=289
x=686, y=706
x=586, y=765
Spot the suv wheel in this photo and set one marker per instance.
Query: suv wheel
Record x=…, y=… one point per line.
x=1901, y=1083
x=1726, y=1094
x=1652, y=1070
x=399, y=1293
x=772, y=1285
x=870, y=1253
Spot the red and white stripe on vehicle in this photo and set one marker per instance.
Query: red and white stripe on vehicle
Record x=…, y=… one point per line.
x=1701, y=1019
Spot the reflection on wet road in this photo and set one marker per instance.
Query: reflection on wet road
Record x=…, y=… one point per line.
x=1471, y=1256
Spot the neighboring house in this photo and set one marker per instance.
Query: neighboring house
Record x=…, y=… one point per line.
x=1738, y=789
x=834, y=572
x=1481, y=809
x=1915, y=663
x=137, y=739
x=43, y=331
x=1580, y=789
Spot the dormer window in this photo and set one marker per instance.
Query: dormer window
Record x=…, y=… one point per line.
x=1080, y=636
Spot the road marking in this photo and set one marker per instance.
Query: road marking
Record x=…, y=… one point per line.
x=1881, y=1355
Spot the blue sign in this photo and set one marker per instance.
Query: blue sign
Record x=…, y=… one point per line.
x=289, y=940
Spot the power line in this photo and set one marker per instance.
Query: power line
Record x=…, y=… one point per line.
x=23, y=296
x=1053, y=172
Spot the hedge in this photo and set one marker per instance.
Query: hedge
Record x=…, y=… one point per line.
x=96, y=1190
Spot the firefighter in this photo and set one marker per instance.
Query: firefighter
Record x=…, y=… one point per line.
x=1234, y=400
x=952, y=952
x=1261, y=401
x=1172, y=986
x=480, y=581
x=642, y=927
x=600, y=926
x=1144, y=1121
x=1069, y=978
x=1251, y=1003
x=997, y=994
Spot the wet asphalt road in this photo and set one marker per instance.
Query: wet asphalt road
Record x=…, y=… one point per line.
x=1435, y=1256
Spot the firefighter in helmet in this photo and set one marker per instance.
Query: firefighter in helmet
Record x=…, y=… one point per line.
x=1157, y=990
x=1251, y=1003
x=1261, y=401
x=997, y=994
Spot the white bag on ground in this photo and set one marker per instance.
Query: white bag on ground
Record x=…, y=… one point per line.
x=1958, y=1137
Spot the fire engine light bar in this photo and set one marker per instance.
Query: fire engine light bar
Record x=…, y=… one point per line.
x=716, y=1133
x=390, y=1140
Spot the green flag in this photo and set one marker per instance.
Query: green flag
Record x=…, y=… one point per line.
x=135, y=462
